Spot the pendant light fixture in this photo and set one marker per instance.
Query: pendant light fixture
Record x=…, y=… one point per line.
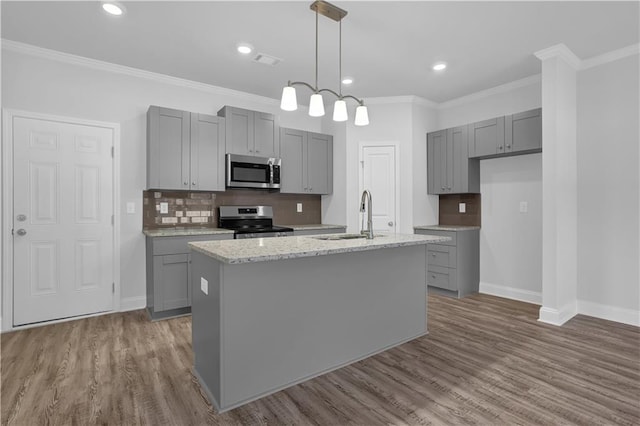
x=289, y=101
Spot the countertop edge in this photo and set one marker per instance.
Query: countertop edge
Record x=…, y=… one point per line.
x=453, y=228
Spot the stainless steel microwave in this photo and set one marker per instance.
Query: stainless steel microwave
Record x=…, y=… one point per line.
x=245, y=171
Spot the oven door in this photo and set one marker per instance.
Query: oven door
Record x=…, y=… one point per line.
x=250, y=172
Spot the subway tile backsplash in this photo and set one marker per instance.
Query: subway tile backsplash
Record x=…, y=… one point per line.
x=200, y=209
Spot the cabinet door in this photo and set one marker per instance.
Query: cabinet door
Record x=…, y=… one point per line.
x=168, y=134
x=239, y=130
x=319, y=162
x=291, y=152
x=207, y=152
x=436, y=162
x=486, y=138
x=171, y=284
x=523, y=131
x=457, y=139
x=266, y=135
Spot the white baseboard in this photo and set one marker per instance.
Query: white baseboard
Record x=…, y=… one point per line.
x=133, y=303
x=511, y=293
x=611, y=313
x=558, y=316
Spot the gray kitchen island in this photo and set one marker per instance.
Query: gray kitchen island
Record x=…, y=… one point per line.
x=268, y=313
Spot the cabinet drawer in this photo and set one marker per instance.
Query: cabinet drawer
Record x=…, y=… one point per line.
x=450, y=234
x=441, y=255
x=440, y=277
x=178, y=245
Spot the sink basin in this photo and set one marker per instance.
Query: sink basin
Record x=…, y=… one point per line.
x=342, y=237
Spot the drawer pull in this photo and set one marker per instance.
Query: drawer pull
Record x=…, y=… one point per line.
x=433, y=254
x=433, y=276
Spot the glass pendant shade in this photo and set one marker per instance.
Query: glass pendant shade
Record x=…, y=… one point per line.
x=340, y=111
x=289, y=101
x=362, y=116
x=316, y=105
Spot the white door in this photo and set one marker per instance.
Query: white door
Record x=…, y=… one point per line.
x=379, y=177
x=62, y=220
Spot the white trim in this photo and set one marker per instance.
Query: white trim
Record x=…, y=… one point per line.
x=511, y=293
x=68, y=58
x=608, y=312
x=7, y=209
x=410, y=99
x=527, y=81
x=560, y=51
x=558, y=316
x=396, y=147
x=614, y=55
x=133, y=303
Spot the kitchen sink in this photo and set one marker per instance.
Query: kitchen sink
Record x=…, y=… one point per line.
x=342, y=237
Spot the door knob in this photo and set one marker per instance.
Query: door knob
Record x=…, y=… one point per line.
x=390, y=223
x=21, y=232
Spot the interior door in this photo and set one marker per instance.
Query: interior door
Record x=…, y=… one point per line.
x=379, y=177
x=62, y=220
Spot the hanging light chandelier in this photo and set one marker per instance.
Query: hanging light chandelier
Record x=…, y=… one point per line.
x=289, y=101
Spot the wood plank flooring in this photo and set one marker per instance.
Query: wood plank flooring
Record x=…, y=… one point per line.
x=486, y=361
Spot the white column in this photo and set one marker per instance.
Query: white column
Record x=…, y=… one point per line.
x=559, y=185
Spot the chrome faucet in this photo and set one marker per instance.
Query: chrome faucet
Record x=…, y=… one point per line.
x=366, y=195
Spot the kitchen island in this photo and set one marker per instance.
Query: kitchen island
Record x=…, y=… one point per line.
x=268, y=313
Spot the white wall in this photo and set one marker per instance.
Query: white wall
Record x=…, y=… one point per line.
x=608, y=189
x=510, y=241
x=38, y=84
x=425, y=207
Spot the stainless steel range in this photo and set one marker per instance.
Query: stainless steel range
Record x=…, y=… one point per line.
x=251, y=222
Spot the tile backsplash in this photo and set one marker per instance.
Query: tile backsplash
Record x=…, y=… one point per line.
x=198, y=209
x=448, y=213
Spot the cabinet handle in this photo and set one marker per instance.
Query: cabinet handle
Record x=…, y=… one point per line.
x=508, y=146
x=433, y=254
x=449, y=188
x=186, y=183
x=193, y=183
x=257, y=150
x=443, y=188
x=433, y=276
x=499, y=147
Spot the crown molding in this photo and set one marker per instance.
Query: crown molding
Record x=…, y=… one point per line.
x=614, y=55
x=409, y=99
x=82, y=61
x=560, y=51
x=527, y=81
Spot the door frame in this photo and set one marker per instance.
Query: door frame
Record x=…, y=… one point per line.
x=6, y=266
x=396, y=146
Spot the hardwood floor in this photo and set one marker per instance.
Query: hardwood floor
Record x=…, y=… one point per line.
x=485, y=361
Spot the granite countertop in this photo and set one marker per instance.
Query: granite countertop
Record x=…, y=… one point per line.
x=313, y=227
x=265, y=249
x=184, y=232
x=446, y=228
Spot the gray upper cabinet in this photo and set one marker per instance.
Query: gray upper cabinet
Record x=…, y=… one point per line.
x=523, y=132
x=185, y=151
x=449, y=170
x=307, y=162
x=250, y=132
x=486, y=138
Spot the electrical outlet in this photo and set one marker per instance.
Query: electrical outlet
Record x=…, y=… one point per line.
x=164, y=208
x=462, y=207
x=131, y=207
x=524, y=207
x=299, y=208
x=204, y=285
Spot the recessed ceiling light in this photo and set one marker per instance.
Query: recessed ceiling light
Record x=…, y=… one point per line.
x=245, y=48
x=439, y=66
x=347, y=81
x=113, y=8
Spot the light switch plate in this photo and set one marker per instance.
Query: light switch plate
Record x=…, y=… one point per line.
x=131, y=207
x=462, y=207
x=204, y=285
x=299, y=208
x=524, y=207
x=164, y=208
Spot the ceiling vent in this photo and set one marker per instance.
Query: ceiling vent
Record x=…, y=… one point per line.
x=265, y=59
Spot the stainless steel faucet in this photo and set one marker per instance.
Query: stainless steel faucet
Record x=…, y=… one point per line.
x=366, y=195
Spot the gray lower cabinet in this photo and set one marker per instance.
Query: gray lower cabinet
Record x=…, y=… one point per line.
x=169, y=274
x=449, y=170
x=453, y=267
x=513, y=134
x=336, y=230
x=249, y=132
x=307, y=162
x=185, y=151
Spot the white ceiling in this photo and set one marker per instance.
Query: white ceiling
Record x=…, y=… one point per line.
x=388, y=46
